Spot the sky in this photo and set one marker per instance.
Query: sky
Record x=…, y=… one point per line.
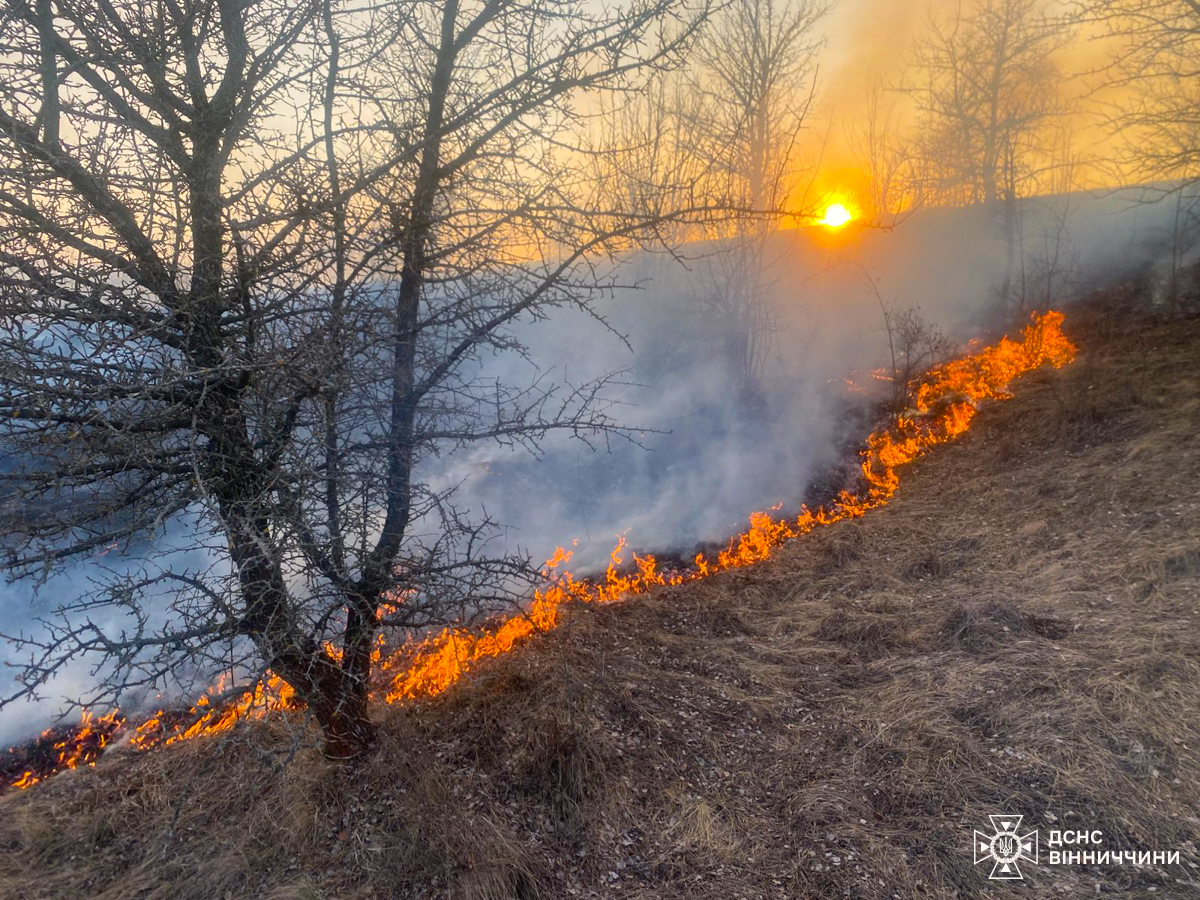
x=870, y=42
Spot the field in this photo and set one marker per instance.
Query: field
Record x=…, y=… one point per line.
x=1015, y=633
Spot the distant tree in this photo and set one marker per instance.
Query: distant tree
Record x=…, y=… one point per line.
x=884, y=156
x=755, y=79
x=723, y=131
x=1154, y=76
x=648, y=153
x=1156, y=57
x=915, y=345
x=986, y=87
x=252, y=253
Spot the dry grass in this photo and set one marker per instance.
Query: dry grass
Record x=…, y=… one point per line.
x=1016, y=632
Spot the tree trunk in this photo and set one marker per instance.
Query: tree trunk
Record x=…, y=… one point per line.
x=1010, y=240
x=348, y=730
x=336, y=695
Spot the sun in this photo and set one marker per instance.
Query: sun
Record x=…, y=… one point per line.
x=836, y=215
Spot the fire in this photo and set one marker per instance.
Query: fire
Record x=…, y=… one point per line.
x=217, y=710
x=836, y=215
x=946, y=402
x=82, y=747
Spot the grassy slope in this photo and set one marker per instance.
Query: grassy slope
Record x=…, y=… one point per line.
x=1016, y=633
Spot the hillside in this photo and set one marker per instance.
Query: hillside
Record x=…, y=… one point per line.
x=1015, y=633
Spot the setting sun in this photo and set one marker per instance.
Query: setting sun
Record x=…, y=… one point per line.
x=836, y=215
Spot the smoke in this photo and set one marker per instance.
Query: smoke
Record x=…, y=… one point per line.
x=712, y=458
x=869, y=47
x=706, y=457
x=25, y=604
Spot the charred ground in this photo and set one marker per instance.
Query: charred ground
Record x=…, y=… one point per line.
x=1016, y=632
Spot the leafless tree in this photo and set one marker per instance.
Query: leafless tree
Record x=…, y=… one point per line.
x=1154, y=78
x=252, y=255
x=988, y=85
x=884, y=156
x=755, y=80
x=648, y=147
x=1155, y=65
x=1047, y=271
x=725, y=128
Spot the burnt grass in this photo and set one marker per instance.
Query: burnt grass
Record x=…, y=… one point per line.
x=1016, y=632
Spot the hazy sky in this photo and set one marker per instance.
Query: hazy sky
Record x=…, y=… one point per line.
x=871, y=41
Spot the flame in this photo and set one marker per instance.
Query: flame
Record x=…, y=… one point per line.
x=217, y=710
x=836, y=215
x=946, y=403
x=82, y=747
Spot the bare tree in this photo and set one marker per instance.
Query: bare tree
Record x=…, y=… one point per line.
x=756, y=78
x=1047, y=272
x=1155, y=68
x=915, y=345
x=988, y=86
x=1154, y=76
x=252, y=255
x=647, y=153
x=884, y=157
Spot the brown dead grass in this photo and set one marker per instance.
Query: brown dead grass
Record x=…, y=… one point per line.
x=1015, y=633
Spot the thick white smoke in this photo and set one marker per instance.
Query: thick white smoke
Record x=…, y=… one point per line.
x=718, y=461
x=721, y=461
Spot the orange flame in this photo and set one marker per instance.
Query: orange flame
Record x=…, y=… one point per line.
x=946, y=402
x=82, y=747
x=215, y=712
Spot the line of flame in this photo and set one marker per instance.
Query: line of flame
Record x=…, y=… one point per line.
x=946, y=402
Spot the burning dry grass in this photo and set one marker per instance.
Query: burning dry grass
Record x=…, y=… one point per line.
x=1015, y=632
x=947, y=399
